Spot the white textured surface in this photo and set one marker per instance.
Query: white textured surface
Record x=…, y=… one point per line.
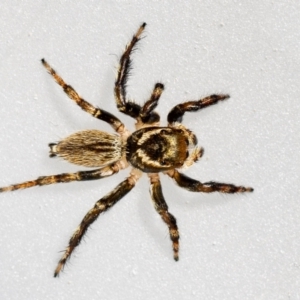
x=232, y=246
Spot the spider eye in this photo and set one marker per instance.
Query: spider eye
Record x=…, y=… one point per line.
x=164, y=132
x=163, y=162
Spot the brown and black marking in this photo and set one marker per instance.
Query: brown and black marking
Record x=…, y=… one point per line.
x=193, y=185
x=161, y=207
x=157, y=149
x=100, y=206
x=98, y=113
x=150, y=149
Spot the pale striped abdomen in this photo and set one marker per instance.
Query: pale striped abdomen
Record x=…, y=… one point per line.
x=89, y=148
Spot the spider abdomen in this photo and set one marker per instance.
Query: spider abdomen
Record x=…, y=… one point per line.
x=89, y=148
x=156, y=149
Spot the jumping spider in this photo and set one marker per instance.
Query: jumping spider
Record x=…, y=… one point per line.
x=151, y=149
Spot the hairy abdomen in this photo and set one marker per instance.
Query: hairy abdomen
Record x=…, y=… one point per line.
x=89, y=148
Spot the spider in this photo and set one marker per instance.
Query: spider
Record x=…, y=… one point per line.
x=150, y=149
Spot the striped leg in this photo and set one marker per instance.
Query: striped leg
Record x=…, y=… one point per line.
x=147, y=114
x=129, y=108
x=86, y=106
x=66, y=177
x=161, y=207
x=206, y=187
x=177, y=112
x=100, y=206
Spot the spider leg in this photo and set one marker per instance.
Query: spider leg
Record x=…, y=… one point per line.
x=206, y=187
x=161, y=207
x=147, y=114
x=177, y=112
x=100, y=206
x=129, y=108
x=67, y=177
x=86, y=106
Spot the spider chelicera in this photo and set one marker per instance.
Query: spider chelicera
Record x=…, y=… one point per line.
x=151, y=149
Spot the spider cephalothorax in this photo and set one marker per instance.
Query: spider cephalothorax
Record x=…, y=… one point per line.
x=157, y=149
x=150, y=149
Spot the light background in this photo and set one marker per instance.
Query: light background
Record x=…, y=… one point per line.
x=232, y=246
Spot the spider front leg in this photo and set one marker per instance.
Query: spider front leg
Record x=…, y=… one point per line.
x=98, y=113
x=161, y=207
x=100, y=206
x=177, y=112
x=66, y=177
x=129, y=108
x=147, y=115
x=206, y=187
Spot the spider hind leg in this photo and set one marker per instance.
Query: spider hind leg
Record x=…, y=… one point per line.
x=161, y=207
x=100, y=206
x=67, y=177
